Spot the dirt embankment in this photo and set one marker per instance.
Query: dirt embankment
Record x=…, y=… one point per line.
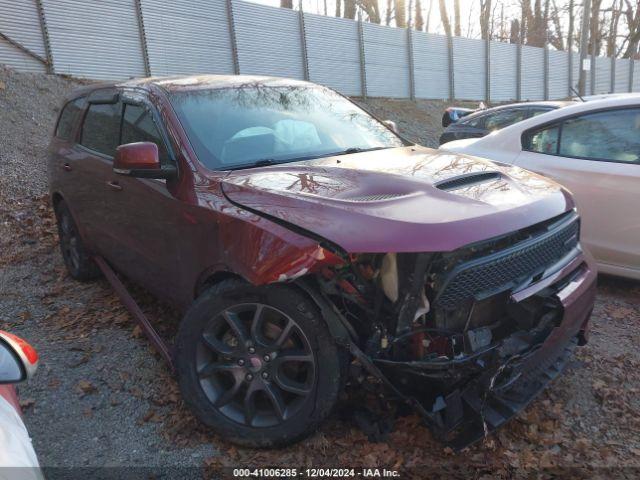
x=101, y=398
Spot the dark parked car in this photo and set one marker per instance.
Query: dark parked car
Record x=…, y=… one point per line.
x=300, y=234
x=484, y=121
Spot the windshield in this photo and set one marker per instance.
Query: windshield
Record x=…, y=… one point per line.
x=255, y=124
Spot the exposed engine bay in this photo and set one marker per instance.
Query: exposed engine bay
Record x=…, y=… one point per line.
x=444, y=330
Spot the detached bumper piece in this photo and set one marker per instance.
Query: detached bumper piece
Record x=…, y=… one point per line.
x=484, y=411
x=481, y=405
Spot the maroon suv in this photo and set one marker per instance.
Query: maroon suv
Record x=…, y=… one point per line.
x=300, y=234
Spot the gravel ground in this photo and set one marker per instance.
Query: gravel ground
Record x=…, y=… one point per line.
x=102, y=398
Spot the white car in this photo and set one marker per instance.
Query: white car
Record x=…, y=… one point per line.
x=18, y=361
x=593, y=149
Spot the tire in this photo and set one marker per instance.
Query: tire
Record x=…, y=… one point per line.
x=274, y=395
x=76, y=258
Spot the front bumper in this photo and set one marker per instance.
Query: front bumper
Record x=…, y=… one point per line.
x=482, y=392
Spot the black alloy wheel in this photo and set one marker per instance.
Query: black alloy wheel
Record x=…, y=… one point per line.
x=258, y=364
x=76, y=258
x=255, y=364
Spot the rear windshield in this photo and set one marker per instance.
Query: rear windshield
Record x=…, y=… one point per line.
x=241, y=127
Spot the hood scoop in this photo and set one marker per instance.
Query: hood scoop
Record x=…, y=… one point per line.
x=466, y=180
x=376, y=197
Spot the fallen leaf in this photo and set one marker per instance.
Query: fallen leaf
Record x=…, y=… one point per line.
x=84, y=387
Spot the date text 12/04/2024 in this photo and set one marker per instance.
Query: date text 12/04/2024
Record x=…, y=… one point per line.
x=315, y=472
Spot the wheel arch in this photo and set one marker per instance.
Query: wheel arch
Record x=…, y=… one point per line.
x=56, y=198
x=213, y=276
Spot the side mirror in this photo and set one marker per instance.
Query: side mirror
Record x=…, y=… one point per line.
x=453, y=114
x=141, y=160
x=392, y=126
x=18, y=359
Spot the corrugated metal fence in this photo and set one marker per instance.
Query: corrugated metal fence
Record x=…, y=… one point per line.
x=118, y=39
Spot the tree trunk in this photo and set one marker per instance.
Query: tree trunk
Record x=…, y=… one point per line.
x=419, y=23
x=350, y=9
x=286, y=3
x=485, y=19
x=444, y=18
x=633, y=26
x=372, y=10
x=595, y=40
x=612, y=36
x=338, y=12
x=401, y=18
x=557, y=40
x=456, y=18
x=514, y=37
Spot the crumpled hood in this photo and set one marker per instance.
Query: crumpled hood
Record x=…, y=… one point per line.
x=399, y=200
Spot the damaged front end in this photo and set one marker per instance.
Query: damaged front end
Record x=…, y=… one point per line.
x=468, y=337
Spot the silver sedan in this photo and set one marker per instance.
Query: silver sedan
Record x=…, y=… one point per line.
x=593, y=149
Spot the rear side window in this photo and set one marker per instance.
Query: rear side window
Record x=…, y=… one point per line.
x=505, y=118
x=611, y=136
x=101, y=128
x=138, y=126
x=544, y=140
x=68, y=118
x=475, y=122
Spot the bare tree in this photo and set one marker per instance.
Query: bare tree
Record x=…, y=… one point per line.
x=338, y=12
x=595, y=28
x=401, y=18
x=612, y=35
x=485, y=19
x=389, y=12
x=456, y=18
x=426, y=27
x=514, y=36
x=286, y=3
x=349, y=9
x=419, y=22
x=633, y=25
x=371, y=8
x=444, y=18
x=535, y=20
x=557, y=37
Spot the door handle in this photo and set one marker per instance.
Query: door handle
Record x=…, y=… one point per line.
x=66, y=167
x=114, y=185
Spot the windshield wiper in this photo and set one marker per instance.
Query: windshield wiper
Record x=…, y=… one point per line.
x=351, y=150
x=265, y=162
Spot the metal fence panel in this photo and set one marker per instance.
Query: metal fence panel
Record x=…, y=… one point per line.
x=386, y=61
x=532, y=73
x=23, y=26
x=469, y=68
x=636, y=75
x=185, y=37
x=503, y=71
x=268, y=40
x=622, y=75
x=558, y=74
x=603, y=75
x=102, y=40
x=431, y=65
x=97, y=40
x=333, y=53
